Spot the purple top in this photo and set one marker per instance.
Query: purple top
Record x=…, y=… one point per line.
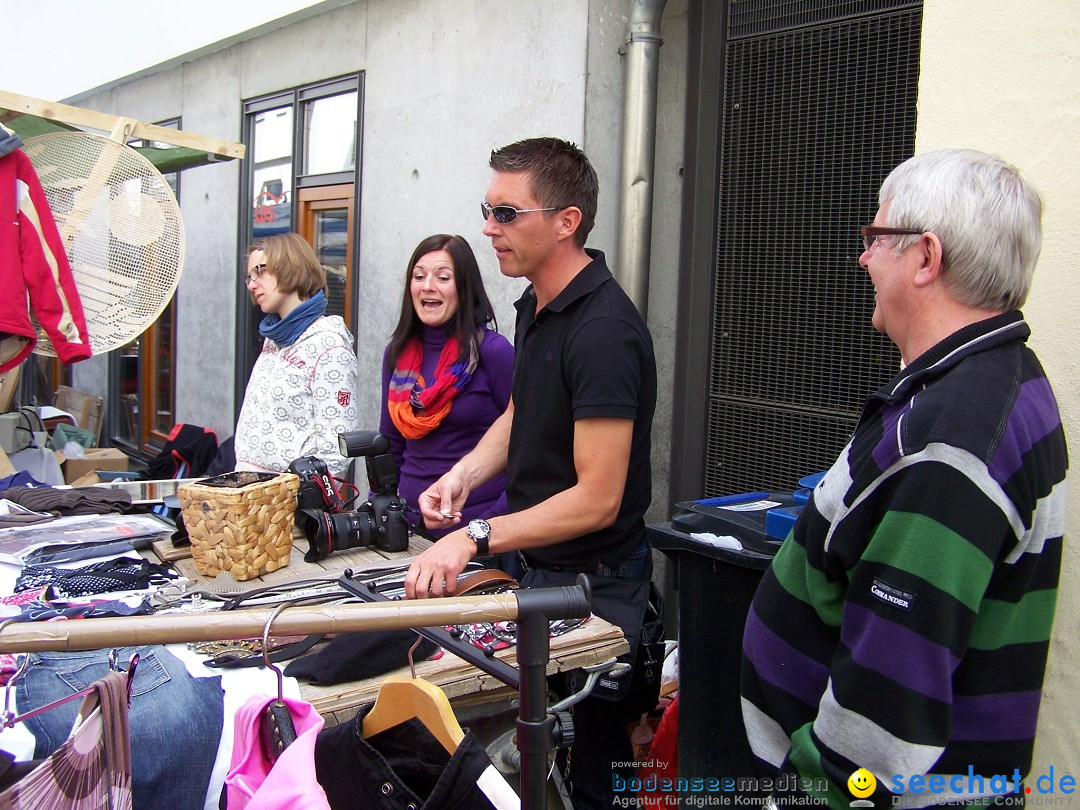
x=423, y=461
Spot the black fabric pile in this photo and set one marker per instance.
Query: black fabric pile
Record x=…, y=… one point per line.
x=355, y=656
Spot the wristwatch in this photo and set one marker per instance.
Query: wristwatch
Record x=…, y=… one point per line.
x=480, y=532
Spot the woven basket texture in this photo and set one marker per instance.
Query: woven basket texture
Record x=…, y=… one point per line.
x=244, y=529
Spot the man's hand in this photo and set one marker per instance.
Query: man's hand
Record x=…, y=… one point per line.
x=435, y=572
x=441, y=503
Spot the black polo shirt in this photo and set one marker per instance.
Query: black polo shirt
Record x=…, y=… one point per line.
x=587, y=354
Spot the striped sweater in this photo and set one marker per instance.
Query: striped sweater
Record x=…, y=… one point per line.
x=904, y=625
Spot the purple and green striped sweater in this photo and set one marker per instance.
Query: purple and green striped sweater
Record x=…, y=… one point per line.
x=904, y=625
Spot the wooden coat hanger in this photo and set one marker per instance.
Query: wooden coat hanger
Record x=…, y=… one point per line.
x=401, y=699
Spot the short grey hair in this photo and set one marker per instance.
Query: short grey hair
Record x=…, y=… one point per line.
x=988, y=218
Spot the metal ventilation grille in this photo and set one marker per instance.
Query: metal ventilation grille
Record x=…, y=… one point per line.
x=756, y=17
x=813, y=121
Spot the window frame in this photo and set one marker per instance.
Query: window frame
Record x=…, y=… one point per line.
x=303, y=185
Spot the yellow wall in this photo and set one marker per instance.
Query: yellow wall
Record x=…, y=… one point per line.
x=1004, y=76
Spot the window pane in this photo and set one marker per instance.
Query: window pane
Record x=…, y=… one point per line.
x=330, y=243
x=127, y=429
x=330, y=134
x=162, y=365
x=271, y=150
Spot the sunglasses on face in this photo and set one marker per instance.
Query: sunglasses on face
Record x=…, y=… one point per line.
x=505, y=214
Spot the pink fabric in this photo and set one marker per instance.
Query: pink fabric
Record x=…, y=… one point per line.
x=289, y=784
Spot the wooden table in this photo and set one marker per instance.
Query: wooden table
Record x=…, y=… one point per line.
x=591, y=643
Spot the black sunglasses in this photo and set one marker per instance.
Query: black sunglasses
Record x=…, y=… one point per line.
x=505, y=214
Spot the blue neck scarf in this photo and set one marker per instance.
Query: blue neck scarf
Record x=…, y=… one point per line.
x=285, y=331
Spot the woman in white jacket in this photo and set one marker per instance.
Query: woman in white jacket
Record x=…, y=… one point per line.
x=302, y=391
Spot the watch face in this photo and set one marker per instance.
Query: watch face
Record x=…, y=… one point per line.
x=479, y=528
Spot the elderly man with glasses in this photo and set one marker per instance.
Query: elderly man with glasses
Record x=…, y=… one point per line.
x=904, y=625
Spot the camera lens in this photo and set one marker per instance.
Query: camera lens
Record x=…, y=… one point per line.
x=351, y=529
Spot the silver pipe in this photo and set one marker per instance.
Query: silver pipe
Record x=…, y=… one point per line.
x=642, y=51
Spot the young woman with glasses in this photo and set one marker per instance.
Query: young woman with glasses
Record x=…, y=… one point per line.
x=302, y=391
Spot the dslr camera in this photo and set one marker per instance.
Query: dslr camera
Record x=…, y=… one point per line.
x=320, y=509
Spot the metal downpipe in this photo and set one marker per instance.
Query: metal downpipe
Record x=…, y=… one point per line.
x=642, y=49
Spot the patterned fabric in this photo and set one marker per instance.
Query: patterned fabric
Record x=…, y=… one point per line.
x=298, y=399
x=44, y=607
x=904, y=625
x=92, y=769
x=121, y=574
x=416, y=408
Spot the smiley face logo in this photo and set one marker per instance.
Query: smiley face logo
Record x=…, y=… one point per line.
x=861, y=783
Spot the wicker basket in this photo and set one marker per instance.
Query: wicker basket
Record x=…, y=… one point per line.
x=240, y=522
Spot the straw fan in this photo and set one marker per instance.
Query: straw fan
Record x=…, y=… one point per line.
x=121, y=228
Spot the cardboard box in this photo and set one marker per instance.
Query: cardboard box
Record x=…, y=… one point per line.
x=101, y=458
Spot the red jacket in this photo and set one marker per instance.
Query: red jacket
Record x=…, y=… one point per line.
x=34, y=270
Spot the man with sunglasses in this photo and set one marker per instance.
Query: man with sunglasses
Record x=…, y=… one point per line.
x=575, y=439
x=903, y=627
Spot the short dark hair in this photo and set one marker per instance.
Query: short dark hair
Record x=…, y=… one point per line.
x=474, y=308
x=560, y=175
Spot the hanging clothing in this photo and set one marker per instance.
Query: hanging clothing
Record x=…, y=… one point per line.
x=92, y=768
x=35, y=274
x=406, y=767
x=174, y=718
x=255, y=783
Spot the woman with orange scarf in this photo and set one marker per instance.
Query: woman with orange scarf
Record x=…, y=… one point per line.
x=446, y=374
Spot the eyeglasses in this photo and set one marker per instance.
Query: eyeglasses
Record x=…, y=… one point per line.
x=256, y=271
x=505, y=214
x=870, y=234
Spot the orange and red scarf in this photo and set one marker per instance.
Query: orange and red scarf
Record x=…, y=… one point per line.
x=415, y=408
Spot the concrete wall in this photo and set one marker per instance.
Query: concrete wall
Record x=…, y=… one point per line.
x=1005, y=78
x=444, y=84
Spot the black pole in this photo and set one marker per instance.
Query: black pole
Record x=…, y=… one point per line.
x=535, y=727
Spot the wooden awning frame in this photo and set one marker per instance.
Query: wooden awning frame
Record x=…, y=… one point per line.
x=119, y=128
